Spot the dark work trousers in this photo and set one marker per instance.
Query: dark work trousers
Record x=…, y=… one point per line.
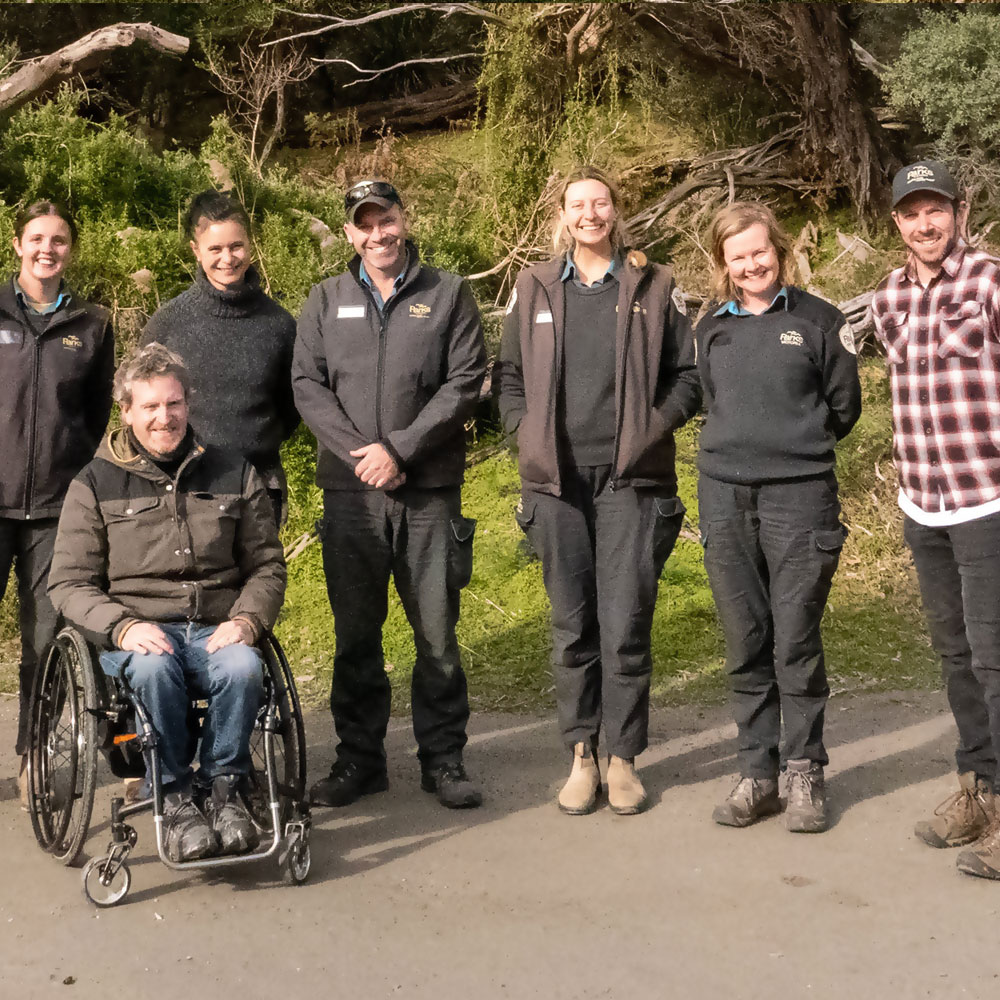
x=419, y=537
x=770, y=553
x=28, y=545
x=959, y=572
x=602, y=553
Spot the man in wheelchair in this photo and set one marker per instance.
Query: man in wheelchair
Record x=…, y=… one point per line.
x=168, y=557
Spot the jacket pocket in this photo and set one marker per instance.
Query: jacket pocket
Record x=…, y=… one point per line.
x=116, y=511
x=463, y=530
x=962, y=331
x=668, y=518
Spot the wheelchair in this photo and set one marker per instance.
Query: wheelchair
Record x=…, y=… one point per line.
x=77, y=710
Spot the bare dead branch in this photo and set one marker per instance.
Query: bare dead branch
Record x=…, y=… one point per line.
x=371, y=74
x=38, y=75
x=334, y=23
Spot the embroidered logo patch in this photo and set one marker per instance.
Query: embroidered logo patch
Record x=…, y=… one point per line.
x=419, y=310
x=73, y=342
x=919, y=173
x=792, y=338
x=847, y=339
x=678, y=300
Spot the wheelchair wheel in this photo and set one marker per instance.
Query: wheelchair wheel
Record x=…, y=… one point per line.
x=100, y=890
x=62, y=757
x=289, y=740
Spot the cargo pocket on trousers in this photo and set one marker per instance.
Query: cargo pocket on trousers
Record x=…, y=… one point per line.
x=829, y=542
x=667, y=521
x=463, y=529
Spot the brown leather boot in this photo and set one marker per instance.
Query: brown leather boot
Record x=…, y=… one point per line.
x=583, y=788
x=626, y=796
x=961, y=818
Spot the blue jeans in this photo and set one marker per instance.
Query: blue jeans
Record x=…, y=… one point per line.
x=230, y=679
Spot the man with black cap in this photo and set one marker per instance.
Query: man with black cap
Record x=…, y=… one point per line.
x=389, y=361
x=938, y=318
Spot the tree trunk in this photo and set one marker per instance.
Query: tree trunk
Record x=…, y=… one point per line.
x=38, y=75
x=842, y=138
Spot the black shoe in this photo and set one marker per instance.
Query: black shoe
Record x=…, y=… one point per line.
x=229, y=816
x=454, y=788
x=347, y=782
x=187, y=835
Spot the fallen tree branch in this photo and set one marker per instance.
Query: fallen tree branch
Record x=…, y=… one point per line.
x=38, y=75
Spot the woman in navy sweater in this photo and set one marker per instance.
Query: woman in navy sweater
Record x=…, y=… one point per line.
x=778, y=369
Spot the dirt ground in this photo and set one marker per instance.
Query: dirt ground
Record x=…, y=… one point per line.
x=515, y=900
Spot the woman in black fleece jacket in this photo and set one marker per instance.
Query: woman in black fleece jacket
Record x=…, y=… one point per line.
x=778, y=369
x=236, y=341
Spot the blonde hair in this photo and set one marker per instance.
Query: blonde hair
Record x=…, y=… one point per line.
x=733, y=220
x=562, y=242
x=144, y=364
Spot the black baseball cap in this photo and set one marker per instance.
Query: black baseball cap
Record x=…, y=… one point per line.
x=924, y=175
x=380, y=193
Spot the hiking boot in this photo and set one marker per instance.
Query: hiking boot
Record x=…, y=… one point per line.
x=579, y=795
x=806, y=808
x=983, y=858
x=229, y=817
x=187, y=835
x=961, y=818
x=346, y=783
x=752, y=799
x=454, y=788
x=626, y=796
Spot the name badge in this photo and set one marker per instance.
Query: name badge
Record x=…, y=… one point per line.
x=11, y=335
x=543, y=317
x=350, y=312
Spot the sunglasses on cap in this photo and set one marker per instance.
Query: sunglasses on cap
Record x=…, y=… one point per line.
x=367, y=190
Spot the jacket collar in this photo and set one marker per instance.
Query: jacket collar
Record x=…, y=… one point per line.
x=117, y=448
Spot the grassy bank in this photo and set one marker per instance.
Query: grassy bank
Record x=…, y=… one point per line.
x=874, y=634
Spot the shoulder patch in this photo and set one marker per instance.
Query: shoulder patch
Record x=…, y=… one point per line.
x=511, y=302
x=678, y=300
x=847, y=339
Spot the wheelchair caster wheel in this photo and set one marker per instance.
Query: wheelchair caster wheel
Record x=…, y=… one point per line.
x=97, y=890
x=299, y=860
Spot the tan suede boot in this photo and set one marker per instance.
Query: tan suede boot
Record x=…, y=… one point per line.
x=962, y=818
x=580, y=793
x=626, y=796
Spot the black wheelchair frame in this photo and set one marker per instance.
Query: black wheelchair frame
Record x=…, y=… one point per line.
x=77, y=710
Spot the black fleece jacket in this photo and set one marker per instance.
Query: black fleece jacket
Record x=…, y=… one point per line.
x=780, y=390
x=407, y=377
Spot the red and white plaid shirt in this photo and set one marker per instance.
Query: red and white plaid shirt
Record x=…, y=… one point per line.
x=943, y=345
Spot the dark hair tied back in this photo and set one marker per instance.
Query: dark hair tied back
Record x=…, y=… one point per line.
x=36, y=210
x=213, y=206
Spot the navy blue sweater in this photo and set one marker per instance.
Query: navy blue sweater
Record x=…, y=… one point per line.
x=780, y=390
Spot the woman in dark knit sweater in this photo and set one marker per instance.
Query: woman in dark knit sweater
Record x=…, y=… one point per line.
x=596, y=373
x=236, y=341
x=778, y=370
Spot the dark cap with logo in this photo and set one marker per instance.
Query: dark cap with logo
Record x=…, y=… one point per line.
x=380, y=193
x=925, y=175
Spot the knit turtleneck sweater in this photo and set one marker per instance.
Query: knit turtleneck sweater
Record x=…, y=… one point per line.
x=238, y=346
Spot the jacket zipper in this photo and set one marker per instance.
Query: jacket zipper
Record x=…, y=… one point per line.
x=620, y=376
x=29, y=478
x=383, y=323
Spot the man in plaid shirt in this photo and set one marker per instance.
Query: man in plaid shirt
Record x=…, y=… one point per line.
x=938, y=318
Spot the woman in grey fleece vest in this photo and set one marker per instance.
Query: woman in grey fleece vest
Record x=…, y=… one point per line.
x=236, y=341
